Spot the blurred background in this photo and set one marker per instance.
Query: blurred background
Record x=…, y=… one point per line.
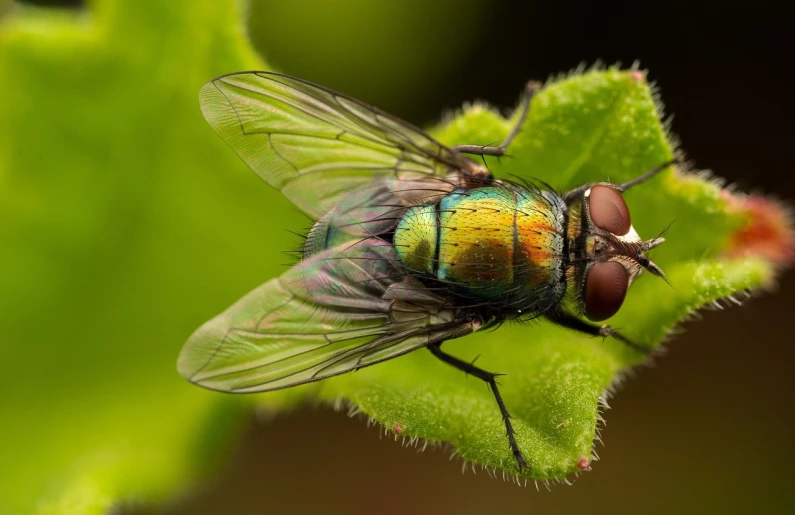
x=710, y=428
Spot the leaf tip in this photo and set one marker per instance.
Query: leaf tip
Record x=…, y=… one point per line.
x=584, y=464
x=768, y=233
x=638, y=76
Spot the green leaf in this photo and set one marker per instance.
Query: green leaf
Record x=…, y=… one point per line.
x=126, y=223
x=116, y=230
x=599, y=125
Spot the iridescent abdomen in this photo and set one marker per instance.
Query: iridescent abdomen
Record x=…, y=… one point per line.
x=493, y=243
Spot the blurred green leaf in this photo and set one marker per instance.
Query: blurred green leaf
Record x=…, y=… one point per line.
x=126, y=223
x=404, y=52
x=115, y=238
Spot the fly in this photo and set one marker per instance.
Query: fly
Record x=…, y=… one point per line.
x=414, y=243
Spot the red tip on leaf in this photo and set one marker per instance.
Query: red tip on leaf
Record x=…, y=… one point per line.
x=584, y=464
x=397, y=428
x=637, y=76
x=769, y=233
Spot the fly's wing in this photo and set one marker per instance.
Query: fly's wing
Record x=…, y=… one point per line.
x=315, y=144
x=337, y=311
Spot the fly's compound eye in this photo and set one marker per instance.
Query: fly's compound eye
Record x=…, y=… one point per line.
x=608, y=210
x=605, y=289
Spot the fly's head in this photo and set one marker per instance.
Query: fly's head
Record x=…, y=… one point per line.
x=606, y=254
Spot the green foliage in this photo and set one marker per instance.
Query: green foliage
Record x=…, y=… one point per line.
x=116, y=241
x=405, y=53
x=586, y=128
x=126, y=223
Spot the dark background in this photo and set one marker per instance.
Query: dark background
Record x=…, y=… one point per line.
x=710, y=427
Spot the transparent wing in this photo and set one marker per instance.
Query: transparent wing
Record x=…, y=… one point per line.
x=290, y=132
x=340, y=310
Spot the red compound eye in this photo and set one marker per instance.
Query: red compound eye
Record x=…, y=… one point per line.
x=605, y=289
x=608, y=210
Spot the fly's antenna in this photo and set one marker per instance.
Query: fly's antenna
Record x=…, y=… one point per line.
x=665, y=229
x=656, y=270
x=650, y=265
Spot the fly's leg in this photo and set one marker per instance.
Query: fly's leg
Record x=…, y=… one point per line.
x=486, y=150
x=651, y=173
x=489, y=378
x=569, y=321
x=576, y=193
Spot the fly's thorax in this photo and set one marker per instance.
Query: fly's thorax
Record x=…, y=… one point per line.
x=493, y=243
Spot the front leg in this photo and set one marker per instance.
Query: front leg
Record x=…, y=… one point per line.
x=487, y=150
x=572, y=195
x=565, y=319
